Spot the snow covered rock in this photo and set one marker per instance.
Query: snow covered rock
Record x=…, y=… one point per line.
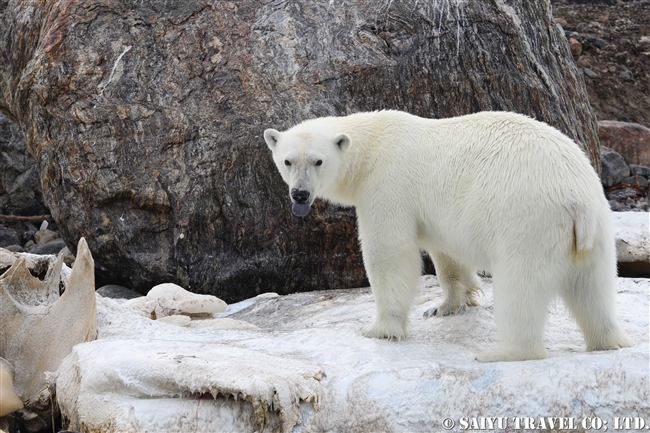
x=632, y=232
x=306, y=369
x=172, y=299
x=144, y=306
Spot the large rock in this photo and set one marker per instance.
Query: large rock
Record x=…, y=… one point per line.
x=631, y=140
x=145, y=118
x=307, y=369
x=614, y=167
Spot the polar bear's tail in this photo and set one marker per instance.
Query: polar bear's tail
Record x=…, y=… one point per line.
x=585, y=230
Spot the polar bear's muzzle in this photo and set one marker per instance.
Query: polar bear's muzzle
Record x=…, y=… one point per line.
x=301, y=203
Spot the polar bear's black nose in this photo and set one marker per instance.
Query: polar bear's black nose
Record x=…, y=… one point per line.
x=299, y=196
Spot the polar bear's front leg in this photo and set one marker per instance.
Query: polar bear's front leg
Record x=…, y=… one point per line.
x=460, y=284
x=393, y=272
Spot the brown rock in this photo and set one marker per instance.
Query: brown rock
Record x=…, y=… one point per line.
x=146, y=119
x=631, y=140
x=44, y=236
x=576, y=48
x=585, y=62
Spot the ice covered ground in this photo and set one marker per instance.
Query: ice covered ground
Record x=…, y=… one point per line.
x=306, y=369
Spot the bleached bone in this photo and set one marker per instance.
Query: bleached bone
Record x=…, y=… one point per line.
x=9, y=401
x=39, y=327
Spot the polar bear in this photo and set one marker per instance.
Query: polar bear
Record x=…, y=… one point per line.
x=495, y=191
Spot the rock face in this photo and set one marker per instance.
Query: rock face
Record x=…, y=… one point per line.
x=145, y=118
x=20, y=186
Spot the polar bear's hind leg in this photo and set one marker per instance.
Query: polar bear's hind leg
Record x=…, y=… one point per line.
x=521, y=300
x=590, y=296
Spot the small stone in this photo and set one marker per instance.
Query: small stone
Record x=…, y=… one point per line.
x=615, y=206
x=8, y=236
x=576, y=47
x=643, y=204
x=28, y=235
x=115, y=291
x=53, y=247
x=176, y=319
x=173, y=299
x=614, y=168
x=585, y=62
x=68, y=257
x=29, y=245
x=42, y=237
x=590, y=73
x=14, y=248
x=625, y=74
x=621, y=57
x=640, y=170
x=639, y=181
x=596, y=42
x=621, y=194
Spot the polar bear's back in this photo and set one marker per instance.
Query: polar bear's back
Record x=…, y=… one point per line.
x=469, y=178
x=518, y=153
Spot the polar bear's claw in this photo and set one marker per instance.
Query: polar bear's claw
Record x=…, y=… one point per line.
x=445, y=310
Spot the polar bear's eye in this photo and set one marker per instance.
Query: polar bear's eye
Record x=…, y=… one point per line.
x=319, y=162
x=286, y=162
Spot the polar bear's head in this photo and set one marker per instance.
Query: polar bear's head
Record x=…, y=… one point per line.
x=308, y=161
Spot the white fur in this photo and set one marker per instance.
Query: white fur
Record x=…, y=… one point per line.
x=494, y=191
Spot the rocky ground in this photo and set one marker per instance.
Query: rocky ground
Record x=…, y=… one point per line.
x=611, y=43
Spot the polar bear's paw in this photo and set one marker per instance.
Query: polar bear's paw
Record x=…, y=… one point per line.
x=447, y=309
x=511, y=355
x=390, y=329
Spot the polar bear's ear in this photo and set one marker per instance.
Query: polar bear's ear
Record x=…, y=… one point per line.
x=343, y=141
x=271, y=137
